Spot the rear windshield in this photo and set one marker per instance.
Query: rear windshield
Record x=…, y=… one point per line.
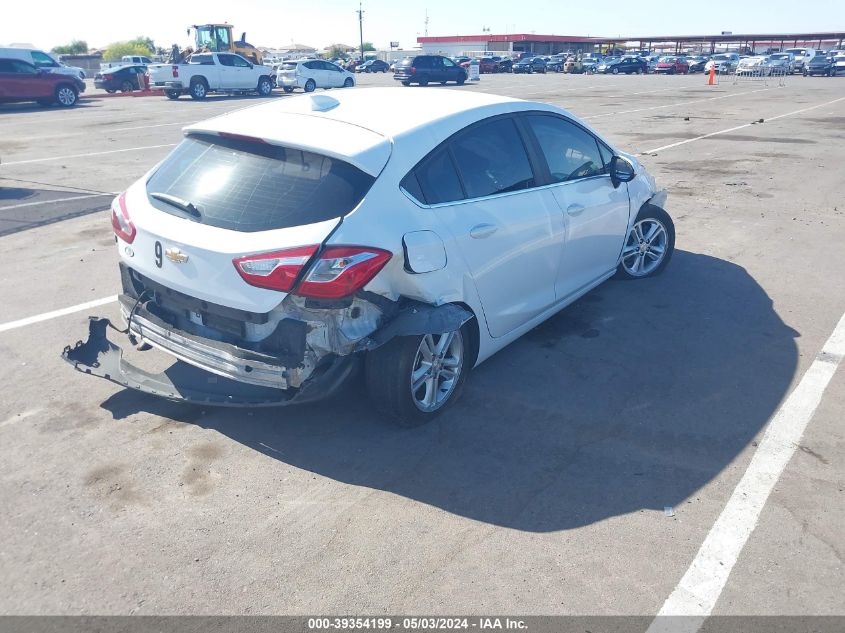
x=248, y=186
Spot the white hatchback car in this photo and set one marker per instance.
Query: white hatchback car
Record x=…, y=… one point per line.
x=279, y=247
x=310, y=74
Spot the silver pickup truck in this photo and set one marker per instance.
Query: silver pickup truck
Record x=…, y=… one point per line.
x=211, y=72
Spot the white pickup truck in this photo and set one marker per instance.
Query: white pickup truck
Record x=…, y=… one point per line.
x=211, y=72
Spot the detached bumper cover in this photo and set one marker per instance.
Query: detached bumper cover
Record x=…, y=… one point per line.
x=183, y=382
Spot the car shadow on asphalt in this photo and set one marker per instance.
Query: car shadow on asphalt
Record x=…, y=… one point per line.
x=631, y=399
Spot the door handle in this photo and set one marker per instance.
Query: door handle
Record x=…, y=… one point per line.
x=575, y=209
x=480, y=231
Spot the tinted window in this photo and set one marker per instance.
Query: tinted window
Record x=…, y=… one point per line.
x=438, y=179
x=423, y=62
x=226, y=60
x=239, y=61
x=42, y=60
x=205, y=60
x=312, y=65
x=16, y=66
x=570, y=152
x=492, y=159
x=248, y=187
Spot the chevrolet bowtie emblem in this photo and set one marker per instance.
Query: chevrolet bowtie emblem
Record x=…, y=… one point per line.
x=176, y=256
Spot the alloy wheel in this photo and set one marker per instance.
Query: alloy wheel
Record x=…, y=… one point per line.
x=66, y=96
x=436, y=369
x=645, y=247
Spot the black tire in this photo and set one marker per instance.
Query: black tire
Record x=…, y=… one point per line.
x=348, y=82
x=265, y=87
x=287, y=89
x=111, y=91
x=423, y=82
x=406, y=83
x=199, y=89
x=615, y=71
x=655, y=213
x=127, y=86
x=173, y=94
x=310, y=85
x=388, y=371
x=461, y=81
x=66, y=95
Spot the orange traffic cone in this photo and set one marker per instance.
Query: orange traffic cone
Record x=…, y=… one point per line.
x=711, y=80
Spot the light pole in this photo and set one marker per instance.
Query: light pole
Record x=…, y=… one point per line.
x=361, y=29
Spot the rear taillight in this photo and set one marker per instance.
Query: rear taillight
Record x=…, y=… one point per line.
x=120, y=220
x=108, y=77
x=338, y=272
x=175, y=70
x=277, y=270
x=341, y=271
x=412, y=70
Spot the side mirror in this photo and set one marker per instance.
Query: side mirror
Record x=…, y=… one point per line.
x=621, y=170
x=251, y=65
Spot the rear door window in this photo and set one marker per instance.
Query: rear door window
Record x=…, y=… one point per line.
x=437, y=179
x=248, y=186
x=204, y=60
x=491, y=159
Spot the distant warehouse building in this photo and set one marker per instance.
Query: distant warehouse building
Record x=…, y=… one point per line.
x=452, y=45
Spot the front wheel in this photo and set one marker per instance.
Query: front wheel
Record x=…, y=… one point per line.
x=649, y=244
x=348, y=83
x=414, y=378
x=265, y=87
x=66, y=96
x=310, y=85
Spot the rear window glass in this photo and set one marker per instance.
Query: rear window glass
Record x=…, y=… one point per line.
x=247, y=186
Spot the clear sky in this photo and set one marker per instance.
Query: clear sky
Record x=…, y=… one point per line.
x=277, y=23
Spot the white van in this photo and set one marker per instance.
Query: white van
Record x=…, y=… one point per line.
x=802, y=57
x=42, y=60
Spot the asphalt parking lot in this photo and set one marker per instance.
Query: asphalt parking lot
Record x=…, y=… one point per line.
x=543, y=491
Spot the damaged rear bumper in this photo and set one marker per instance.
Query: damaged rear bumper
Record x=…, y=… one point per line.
x=185, y=382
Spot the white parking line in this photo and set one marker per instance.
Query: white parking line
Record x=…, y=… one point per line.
x=702, y=584
x=46, y=316
x=111, y=151
x=738, y=127
x=35, y=204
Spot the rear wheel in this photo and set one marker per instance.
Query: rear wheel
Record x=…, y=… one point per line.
x=265, y=87
x=310, y=85
x=111, y=91
x=414, y=378
x=199, y=89
x=649, y=244
x=615, y=71
x=423, y=82
x=406, y=83
x=172, y=94
x=126, y=86
x=66, y=96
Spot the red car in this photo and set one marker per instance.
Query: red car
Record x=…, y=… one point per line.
x=672, y=66
x=485, y=65
x=21, y=81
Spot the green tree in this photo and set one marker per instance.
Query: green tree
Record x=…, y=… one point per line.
x=336, y=51
x=368, y=46
x=115, y=51
x=146, y=42
x=76, y=47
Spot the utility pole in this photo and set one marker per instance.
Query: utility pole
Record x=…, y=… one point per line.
x=361, y=29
